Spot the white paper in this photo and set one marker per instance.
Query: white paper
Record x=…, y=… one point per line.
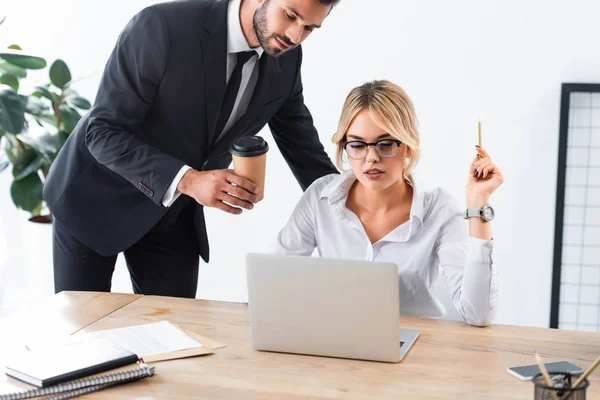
x=150, y=339
x=143, y=340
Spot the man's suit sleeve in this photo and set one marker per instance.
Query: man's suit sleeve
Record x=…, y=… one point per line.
x=129, y=85
x=297, y=138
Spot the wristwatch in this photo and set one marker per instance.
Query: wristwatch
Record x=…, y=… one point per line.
x=486, y=213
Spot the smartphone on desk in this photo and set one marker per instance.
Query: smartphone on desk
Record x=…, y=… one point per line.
x=527, y=372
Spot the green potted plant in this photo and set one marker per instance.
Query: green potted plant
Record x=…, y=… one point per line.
x=34, y=126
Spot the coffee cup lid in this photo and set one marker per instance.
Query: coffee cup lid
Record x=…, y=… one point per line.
x=248, y=146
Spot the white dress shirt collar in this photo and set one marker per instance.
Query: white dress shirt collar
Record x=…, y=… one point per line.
x=236, y=41
x=337, y=191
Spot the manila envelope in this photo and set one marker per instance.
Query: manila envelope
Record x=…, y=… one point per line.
x=209, y=346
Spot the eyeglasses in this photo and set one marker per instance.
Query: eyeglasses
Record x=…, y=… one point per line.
x=357, y=149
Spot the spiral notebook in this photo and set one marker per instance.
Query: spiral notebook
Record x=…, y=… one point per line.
x=69, y=390
x=66, y=363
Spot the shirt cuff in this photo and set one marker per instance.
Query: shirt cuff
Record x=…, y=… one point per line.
x=480, y=251
x=172, y=193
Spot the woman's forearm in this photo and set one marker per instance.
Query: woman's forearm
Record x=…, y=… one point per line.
x=478, y=228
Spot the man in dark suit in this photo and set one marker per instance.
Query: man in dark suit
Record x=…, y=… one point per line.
x=184, y=80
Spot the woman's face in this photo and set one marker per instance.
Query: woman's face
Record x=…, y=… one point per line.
x=374, y=171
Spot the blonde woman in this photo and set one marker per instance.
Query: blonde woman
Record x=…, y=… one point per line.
x=376, y=212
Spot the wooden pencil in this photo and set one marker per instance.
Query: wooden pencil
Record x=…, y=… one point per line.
x=587, y=373
x=479, y=137
x=547, y=379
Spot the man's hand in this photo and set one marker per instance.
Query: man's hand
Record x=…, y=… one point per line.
x=219, y=189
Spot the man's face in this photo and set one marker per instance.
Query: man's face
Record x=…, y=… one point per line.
x=282, y=25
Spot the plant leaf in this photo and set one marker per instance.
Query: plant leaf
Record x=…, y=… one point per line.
x=24, y=100
x=11, y=69
x=10, y=80
x=9, y=147
x=24, y=61
x=80, y=103
x=2, y=20
x=26, y=163
x=41, y=91
x=12, y=111
x=47, y=144
x=27, y=193
x=69, y=93
x=70, y=117
x=47, y=118
x=36, y=106
x=15, y=47
x=38, y=210
x=60, y=74
x=63, y=136
x=4, y=162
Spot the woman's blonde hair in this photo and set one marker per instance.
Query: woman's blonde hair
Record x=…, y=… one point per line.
x=391, y=109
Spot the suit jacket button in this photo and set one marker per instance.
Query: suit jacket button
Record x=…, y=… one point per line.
x=145, y=189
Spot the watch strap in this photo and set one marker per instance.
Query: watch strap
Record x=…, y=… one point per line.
x=472, y=212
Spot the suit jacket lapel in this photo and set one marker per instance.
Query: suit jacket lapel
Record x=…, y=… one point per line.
x=214, y=55
x=266, y=91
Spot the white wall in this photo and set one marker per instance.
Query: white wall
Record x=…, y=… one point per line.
x=501, y=61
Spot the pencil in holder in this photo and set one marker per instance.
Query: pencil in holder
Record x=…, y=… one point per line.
x=561, y=387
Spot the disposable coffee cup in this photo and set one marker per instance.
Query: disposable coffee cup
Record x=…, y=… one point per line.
x=249, y=154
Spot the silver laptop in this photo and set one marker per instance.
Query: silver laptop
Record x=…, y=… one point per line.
x=326, y=307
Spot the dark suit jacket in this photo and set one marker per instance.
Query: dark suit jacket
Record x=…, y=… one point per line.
x=156, y=109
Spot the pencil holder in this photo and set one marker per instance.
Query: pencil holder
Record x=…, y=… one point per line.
x=561, y=387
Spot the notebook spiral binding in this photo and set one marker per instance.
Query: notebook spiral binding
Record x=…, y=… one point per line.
x=83, y=386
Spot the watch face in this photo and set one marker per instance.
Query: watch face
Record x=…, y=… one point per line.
x=488, y=213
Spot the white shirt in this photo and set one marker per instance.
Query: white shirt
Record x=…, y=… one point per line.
x=435, y=237
x=236, y=42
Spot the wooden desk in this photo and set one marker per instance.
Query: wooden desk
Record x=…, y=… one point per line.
x=450, y=359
